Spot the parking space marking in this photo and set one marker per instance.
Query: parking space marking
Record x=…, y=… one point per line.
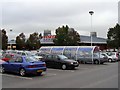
x=17, y=76
x=50, y=74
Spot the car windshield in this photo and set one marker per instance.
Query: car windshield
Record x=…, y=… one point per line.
x=111, y=53
x=31, y=59
x=62, y=57
x=30, y=54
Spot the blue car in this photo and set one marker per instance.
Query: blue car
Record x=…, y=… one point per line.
x=24, y=65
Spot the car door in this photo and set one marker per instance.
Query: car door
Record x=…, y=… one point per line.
x=17, y=64
x=56, y=61
x=8, y=65
x=49, y=61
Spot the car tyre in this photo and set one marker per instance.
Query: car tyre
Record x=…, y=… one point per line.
x=22, y=72
x=109, y=60
x=64, y=66
x=96, y=62
x=2, y=69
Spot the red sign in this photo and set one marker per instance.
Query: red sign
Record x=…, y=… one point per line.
x=51, y=36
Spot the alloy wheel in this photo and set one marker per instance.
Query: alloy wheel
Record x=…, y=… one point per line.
x=22, y=72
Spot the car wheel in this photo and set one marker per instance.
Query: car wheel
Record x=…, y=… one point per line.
x=22, y=72
x=2, y=69
x=96, y=62
x=64, y=66
x=109, y=60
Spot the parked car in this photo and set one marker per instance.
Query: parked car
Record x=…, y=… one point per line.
x=110, y=58
x=1, y=62
x=24, y=65
x=59, y=61
x=97, y=58
x=114, y=55
x=7, y=56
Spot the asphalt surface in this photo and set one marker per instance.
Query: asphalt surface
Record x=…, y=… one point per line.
x=85, y=76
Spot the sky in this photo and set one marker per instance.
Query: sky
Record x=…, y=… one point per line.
x=29, y=16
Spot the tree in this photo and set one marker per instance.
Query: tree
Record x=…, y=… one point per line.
x=4, y=39
x=114, y=37
x=40, y=36
x=66, y=36
x=21, y=41
x=33, y=41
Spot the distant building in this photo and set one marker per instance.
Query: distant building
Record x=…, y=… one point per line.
x=85, y=40
x=11, y=44
x=119, y=12
x=47, y=32
x=96, y=41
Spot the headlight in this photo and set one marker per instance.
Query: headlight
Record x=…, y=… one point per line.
x=71, y=63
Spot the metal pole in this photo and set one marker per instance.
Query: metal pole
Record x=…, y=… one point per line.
x=91, y=13
x=10, y=41
x=91, y=29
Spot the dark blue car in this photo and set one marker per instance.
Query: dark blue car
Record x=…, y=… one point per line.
x=24, y=65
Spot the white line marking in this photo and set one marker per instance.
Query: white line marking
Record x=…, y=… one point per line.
x=16, y=76
x=50, y=74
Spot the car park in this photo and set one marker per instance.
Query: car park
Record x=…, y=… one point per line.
x=60, y=61
x=24, y=65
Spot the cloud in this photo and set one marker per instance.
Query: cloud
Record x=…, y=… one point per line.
x=27, y=17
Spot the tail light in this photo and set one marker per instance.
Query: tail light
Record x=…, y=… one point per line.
x=44, y=65
x=32, y=66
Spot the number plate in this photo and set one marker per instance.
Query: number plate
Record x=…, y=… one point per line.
x=39, y=70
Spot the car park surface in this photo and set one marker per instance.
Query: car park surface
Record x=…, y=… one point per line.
x=85, y=76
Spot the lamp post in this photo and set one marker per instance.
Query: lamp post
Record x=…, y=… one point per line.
x=10, y=42
x=91, y=13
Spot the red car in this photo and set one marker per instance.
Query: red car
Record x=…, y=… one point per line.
x=7, y=57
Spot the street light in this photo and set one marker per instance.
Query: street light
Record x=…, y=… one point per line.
x=91, y=13
x=10, y=42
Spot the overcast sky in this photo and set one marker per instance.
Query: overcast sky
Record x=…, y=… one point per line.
x=30, y=16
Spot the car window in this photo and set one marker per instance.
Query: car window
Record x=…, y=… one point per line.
x=19, y=60
x=31, y=59
x=8, y=56
x=103, y=55
x=49, y=56
x=55, y=57
x=12, y=60
x=23, y=53
x=62, y=57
